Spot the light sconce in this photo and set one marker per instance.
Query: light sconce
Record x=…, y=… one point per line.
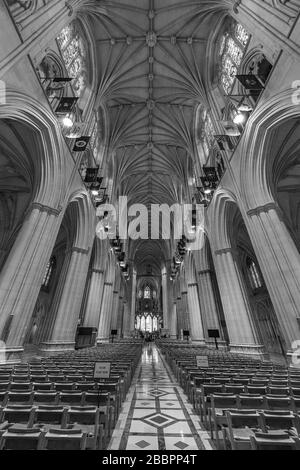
x=67, y=120
x=240, y=118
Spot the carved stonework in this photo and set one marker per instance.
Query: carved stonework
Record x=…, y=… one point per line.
x=21, y=9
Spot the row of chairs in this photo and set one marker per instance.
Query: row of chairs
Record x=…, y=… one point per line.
x=200, y=384
x=94, y=421
x=257, y=430
x=17, y=438
x=54, y=402
x=243, y=402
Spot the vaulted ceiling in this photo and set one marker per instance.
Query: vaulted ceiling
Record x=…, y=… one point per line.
x=152, y=58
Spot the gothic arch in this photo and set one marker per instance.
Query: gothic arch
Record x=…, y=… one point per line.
x=50, y=167
x=256, y=144
x=218, y=216
x=84, y=214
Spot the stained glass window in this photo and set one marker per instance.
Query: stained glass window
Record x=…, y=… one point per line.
x=49, y=271
x=147, y=292
x=207, y=135
x=147, y=322
x=232, y=50
x=74, y=54
x=138, y=323
x=241, y=34
x=254, y=274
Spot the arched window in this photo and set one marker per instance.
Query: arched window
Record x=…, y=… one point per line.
x=74, y=54
x=148, y=325
x=138, y=322
x=232, y=50
x=147, y=322
x=49, y=272
x=143, y=323
x=208, y=133
x=95, y=140
x=147, y=292
x=254, y=274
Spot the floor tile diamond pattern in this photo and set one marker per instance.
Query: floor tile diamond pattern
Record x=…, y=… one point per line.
x=158, y=414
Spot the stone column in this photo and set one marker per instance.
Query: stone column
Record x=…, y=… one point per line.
x=104, y=322
x=115, y=310
x=196, y=328
x=120, y=323
x=23, y=272
x=237, y=311
x=279, y=261
x=133, y=301
x=179, y=311
x=126, y=321
x=93, y=305
x=208, y=302
x=64, y=331
x=49, y=320
x=185, y=310
x=164, y=283
x=173, y=321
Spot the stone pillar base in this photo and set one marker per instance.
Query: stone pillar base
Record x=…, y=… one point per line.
x=210, y=343
x=127, y=334
x=11, y=355
x=57, y=347
x=257, y=351
x=198, y=342
x=102, y=340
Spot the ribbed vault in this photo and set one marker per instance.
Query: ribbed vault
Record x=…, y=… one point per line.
x=152, y=67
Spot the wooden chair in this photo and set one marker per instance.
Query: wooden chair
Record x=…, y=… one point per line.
x=87, y=419
x=272, y=441
x=65, y=439
x=19, y=438
x=240, y=425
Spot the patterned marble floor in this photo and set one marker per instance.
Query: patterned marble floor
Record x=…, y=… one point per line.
x=156, y=414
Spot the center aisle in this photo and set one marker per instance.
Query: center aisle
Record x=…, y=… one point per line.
x=156, y=414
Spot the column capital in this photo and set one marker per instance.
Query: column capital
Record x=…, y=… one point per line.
x=192, y=284
x=48, y=209
x=204, y=271
x=184, y=292
x=108, y=283
x=98, y=271
x=265, y=208
x=77, y=249
x=115, y=292
x=223, y=251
